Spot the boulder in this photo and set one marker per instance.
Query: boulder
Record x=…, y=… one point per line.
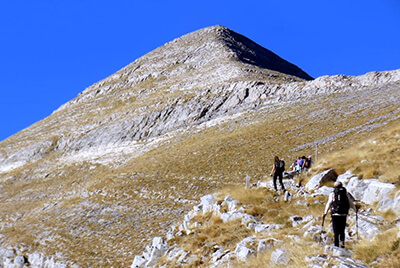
x=346, y=177
x=372, y=191
x=368, y=226
x=319, y=179
x=324, y=190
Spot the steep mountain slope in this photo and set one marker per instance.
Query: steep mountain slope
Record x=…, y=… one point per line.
x=110, y=169
x=199, y=76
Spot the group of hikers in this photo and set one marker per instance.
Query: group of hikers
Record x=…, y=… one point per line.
x=301, y=164
x=339, y=201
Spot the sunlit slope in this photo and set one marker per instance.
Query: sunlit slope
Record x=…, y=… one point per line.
x=100, y=214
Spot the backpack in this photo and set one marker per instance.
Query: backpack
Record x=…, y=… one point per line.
x=280, y=166
x=341, y=203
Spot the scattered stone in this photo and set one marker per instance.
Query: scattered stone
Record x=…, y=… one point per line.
x=207, y=203
x=265, y=244
x=138, y=262
x=287, y=196
x=242, y=253
x=279, y=257
x=266, y=228
x=315, y=233
x=302, y=203
x=232, y=203
x=336, y=251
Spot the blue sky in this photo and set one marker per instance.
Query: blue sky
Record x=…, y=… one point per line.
x=52, y=49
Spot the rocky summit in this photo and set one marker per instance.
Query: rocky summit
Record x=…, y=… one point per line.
x=113, y=169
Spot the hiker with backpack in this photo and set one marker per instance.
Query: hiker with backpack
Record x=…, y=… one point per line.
x=340, y=201
x=277, y=172
x=307, y=163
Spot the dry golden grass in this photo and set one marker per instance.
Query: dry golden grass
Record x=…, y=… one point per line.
x=385, y=246
x=296, y=252
x=379, y=157
x=189, y=166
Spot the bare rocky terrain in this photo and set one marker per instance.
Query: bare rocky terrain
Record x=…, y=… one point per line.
x=93, y=183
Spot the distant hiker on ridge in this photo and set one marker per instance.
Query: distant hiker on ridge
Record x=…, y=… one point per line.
x=277, y=172
x=340, y=201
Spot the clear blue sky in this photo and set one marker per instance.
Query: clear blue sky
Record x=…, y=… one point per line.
x=52, y=49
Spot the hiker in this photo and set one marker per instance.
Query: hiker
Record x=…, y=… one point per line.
x=299, y=164
x=277, y=172
x=340, y=201
x=307, y=163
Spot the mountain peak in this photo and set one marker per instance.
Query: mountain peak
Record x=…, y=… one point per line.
x=243, y=49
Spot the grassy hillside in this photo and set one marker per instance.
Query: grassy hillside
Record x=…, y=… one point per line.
x=376, y=157
x=101, y=215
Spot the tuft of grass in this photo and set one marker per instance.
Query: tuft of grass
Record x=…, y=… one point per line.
x=385, y=245
x=378, y=157
x=253, y=196
x=295, y=251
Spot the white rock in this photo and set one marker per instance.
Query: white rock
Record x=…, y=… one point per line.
x=138, y=262
x=345, y=177
x=266, y=228
x=264, y=244
x=246, y=219
x=207, y=203
x=287, y=196
x=314, y=232
x=229, y=216
x=336, y=251
x=302, y=203
x=217, y=255
x=279, y=257
x=174, y=253
x=371, y=191
x=264, y=184
x=231, y=203
x=319, y=179
x=242, y=253
x=157, y=251
x=19, y=261
x=324, y=190
x=368, y=227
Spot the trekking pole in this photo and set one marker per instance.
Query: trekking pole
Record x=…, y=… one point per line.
x=357, y=223
x=323, y=220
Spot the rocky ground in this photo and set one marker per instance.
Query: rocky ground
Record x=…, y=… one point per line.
x=301, y=231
